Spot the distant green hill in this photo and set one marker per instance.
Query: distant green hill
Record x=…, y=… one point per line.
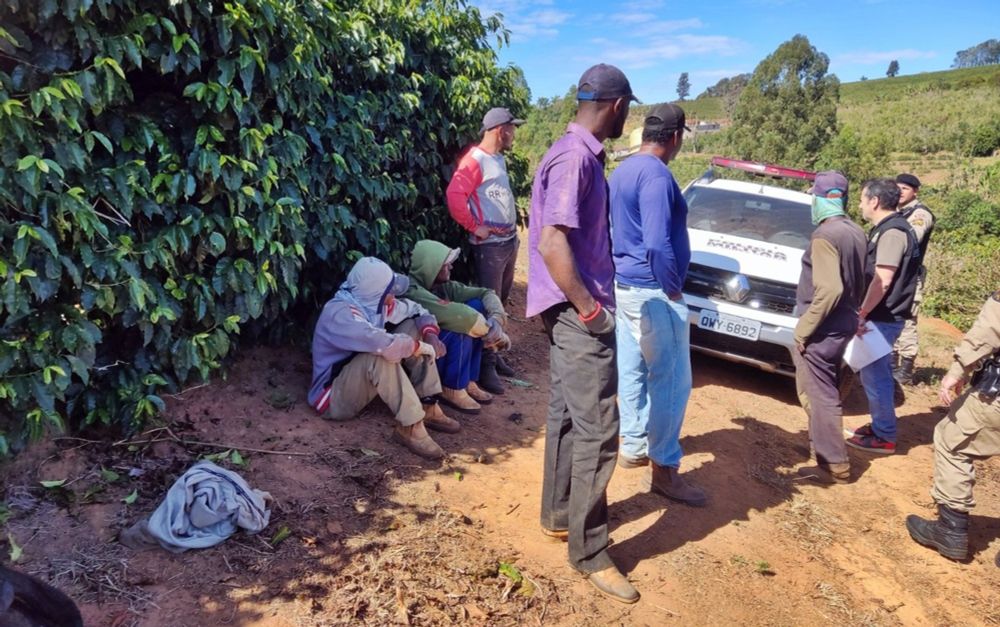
x=947, y=80
x=929, y=112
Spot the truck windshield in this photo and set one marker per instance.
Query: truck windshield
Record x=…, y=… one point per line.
x=753, y=216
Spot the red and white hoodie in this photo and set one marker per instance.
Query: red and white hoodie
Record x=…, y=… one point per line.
x=479, y=193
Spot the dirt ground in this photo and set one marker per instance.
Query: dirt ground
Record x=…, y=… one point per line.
x=363, y=532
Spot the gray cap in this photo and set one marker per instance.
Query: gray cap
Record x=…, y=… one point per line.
x=497, y=116
x=828, y=181
x=604, y=82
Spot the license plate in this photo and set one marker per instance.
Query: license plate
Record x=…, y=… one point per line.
x=729, y=325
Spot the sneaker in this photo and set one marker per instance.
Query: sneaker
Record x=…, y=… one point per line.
x=872, y=443
x=862, y=431
x=632, y=462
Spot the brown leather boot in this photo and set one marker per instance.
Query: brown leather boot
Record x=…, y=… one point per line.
x=668, y=481
x=823, y=472
x=611, y=583
x=415, y=438
x=460, y=400
x=435, y=418
x=478, y=394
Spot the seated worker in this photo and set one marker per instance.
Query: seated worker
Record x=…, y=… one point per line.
x=356, y=359
x=471, y=319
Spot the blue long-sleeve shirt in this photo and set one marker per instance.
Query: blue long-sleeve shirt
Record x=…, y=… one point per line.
x=649, y=239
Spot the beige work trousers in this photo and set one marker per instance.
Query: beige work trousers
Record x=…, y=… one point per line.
x=400, y=385
x=907, y=344
x=970, y=431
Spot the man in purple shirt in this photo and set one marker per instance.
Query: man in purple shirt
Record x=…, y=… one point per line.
x=570, y=283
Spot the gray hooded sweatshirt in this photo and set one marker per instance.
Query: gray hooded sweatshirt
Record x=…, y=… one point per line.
x=354, y=320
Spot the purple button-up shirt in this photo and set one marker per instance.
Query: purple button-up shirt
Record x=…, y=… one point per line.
x=570, y=190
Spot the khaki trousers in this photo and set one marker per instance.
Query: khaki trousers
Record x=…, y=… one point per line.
x=908, y=342
x=400, y=385
x=970, y=431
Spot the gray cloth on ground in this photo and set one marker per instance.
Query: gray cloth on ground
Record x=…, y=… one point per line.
x=204, y=507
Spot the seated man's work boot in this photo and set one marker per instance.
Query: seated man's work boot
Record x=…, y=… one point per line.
x=668, y=481
x=611, y=583
x=949, y=534
x=460, y=400
x=416, y=438
x=827, y=473
x=503, y=368
x=435, y=418
x=479, y=394
x=489, y=380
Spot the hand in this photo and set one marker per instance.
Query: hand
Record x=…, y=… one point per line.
x=862, y=327
x=493, y=335
x=800, y=346
x=482, y=231
x=950, y=389
x=598, y=322
x=440, y=350
x=423, y=349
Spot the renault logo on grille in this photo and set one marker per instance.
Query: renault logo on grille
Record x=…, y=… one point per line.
x=737, y=288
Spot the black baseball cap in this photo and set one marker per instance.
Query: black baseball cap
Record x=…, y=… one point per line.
x=665, y=117
x=604, y=82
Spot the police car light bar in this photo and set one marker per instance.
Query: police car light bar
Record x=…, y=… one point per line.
x=763, y=169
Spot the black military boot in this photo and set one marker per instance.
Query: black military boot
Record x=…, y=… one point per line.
x=949, y=534
x=489, y=380
x=903, y=373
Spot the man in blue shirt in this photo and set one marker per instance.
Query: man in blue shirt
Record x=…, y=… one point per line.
x=651, y=252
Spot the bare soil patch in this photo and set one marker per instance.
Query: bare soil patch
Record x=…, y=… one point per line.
x=363, y=532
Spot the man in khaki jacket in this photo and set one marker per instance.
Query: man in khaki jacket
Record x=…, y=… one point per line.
x=922, y=221
x=970, y=431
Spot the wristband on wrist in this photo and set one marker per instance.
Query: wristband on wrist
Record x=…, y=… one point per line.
x=592, y=315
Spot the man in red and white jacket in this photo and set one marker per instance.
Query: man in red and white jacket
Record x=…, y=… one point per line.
x=480, y=199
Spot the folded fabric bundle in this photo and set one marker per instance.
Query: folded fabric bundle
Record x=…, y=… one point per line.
x=204, y=507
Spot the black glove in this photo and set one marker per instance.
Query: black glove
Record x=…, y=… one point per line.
x=600, y=322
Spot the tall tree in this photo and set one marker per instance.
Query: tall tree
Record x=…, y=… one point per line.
x=683, y=86
x=985, y=53
x=893, y=69
x=788, y=110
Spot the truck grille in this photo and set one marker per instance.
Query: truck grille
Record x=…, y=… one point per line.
x=774, y=354
x=772, y=296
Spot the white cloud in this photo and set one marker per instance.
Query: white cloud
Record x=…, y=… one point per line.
x=649, y=53
x=866, y=57
x=538, y=24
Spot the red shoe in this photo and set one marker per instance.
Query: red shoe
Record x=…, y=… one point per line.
x=872, y=444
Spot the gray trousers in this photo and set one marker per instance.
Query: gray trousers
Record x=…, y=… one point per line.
x=817, y=375
x=581, y=436
x=495, y=266
x=400, y=385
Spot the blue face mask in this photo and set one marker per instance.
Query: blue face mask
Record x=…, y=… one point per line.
x=824, y=207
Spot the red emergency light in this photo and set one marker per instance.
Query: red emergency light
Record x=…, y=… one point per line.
x=763, y=169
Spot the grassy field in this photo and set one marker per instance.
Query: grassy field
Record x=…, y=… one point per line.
x=703, y=109
x=882, y=89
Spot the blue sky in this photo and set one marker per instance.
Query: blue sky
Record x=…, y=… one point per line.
x=653, y=41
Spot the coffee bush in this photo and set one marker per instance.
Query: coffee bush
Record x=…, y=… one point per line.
x=172, y=173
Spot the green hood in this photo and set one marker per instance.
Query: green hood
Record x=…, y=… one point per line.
x=426, y=261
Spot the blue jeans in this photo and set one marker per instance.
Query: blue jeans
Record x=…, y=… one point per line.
x=461, y=363
x=654, y=373
x=880, y=387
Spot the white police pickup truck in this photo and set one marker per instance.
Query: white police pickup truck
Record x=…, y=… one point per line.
x=747, y=241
